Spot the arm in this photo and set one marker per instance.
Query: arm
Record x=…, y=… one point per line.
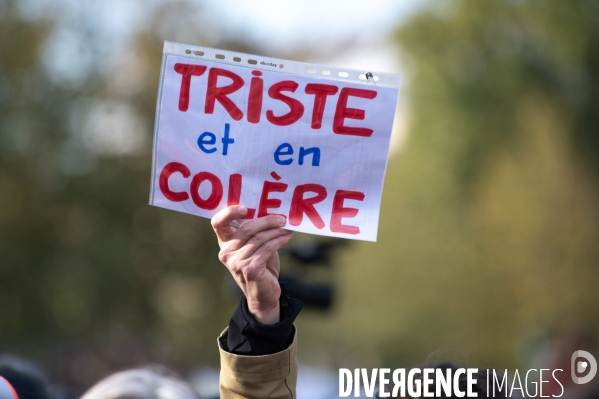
x=263, y=324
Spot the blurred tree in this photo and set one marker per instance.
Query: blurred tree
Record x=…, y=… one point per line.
x=489, y=230
x=91, y=278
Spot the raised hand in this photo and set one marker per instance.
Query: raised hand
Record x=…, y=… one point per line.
x=250, y=254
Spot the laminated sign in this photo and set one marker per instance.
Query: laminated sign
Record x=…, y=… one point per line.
x=306, y=141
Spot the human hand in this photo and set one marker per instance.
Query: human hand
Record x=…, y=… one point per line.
x=250, y=254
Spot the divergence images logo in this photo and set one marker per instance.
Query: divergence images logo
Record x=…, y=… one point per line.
x=580, y=366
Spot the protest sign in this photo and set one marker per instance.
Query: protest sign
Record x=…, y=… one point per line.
x=307, y=141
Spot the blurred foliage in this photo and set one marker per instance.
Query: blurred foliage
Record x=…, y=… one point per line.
x=488, y=236
x=91, y=278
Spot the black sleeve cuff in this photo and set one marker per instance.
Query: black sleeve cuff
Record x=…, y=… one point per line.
x=249, y=337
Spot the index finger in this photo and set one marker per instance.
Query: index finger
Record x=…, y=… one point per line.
x=221, y=222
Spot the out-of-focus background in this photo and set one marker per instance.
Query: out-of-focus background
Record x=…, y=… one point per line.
x=488, y=249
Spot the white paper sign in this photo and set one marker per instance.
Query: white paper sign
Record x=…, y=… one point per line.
x=281, y=137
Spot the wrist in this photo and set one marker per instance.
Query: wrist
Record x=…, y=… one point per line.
x=266, y=315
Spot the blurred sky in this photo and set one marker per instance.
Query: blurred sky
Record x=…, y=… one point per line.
x=287, y=24
x=276, y=24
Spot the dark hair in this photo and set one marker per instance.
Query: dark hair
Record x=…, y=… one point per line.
x=28, y=381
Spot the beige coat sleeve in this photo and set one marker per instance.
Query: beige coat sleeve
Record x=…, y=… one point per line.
x=258, y=377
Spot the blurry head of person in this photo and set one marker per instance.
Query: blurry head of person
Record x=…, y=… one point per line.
x=152, y=382
x=6, y=390
x=27, y=379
